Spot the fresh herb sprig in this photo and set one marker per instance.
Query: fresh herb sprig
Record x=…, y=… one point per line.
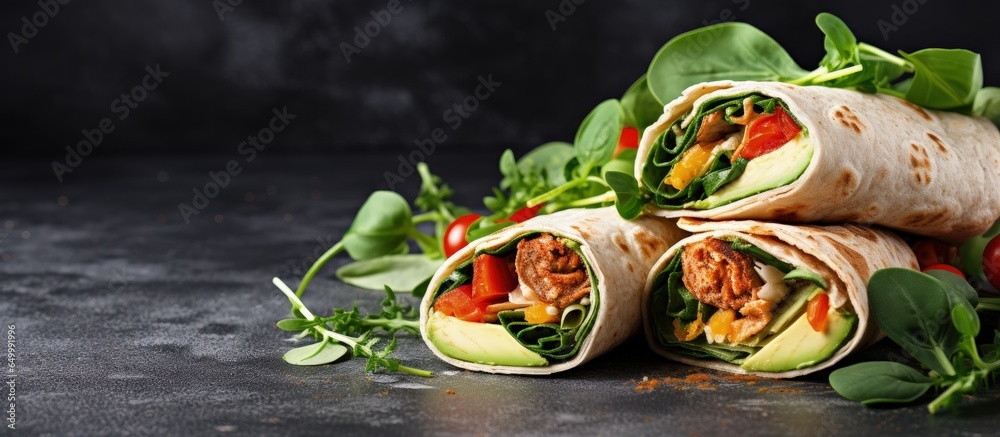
x=348, y=330
x=933, y=317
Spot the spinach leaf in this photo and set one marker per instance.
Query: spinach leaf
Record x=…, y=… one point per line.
x=714, y=180
x=913, y=309
x=840, y=43
x=597, y=136
x=640, y=106
x=987, y=104
x=762, y=255
x=381, y=226
x=323, y=352
x=958, y=284
x=734, y=51
x=806, y=275
x=876, y=382
x=947, y=79
x=549, y=160
x=398, y=272
x=629, y=199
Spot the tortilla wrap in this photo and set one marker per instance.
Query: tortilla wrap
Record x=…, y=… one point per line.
x=619, y=253
x=876, y=159
x=846, y=256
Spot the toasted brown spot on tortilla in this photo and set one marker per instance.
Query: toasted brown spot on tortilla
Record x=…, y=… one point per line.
x=648, y=244
x=937, y=141
x=847, y=118
x=925, y=218
x=872, y=211
x=853, y=257
x=785, y=213
x=620, y=242
x=920, y=165
x=918, y=109
x=583, y=232
x=865, y=232
x=630, y=267
x=846, y=183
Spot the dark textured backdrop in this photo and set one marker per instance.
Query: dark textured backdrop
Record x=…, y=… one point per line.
x=226, y=74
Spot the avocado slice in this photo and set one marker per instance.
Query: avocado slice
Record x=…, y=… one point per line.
x=483, y=343
x=799, y=346
x=769, y=171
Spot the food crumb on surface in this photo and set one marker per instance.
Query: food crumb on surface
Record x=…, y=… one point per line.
x=698, y=381
x=449, y=392
x=780, y=390
x=384, y=393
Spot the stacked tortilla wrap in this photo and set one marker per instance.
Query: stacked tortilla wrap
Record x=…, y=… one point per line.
x=844, y=257
x=874, y=159
x=617, y=253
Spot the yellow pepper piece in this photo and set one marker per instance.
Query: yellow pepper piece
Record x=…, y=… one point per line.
x=721, y=324
x=538, y=313
x=689, y=332
x=690, y=166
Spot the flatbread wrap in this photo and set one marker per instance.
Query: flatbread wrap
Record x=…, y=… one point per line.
x=767, y=299
x=545, y=295
x=809, y=154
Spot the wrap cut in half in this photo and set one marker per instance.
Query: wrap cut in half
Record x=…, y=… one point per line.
x=767, y=299
x=545, y=295
x=810, y=154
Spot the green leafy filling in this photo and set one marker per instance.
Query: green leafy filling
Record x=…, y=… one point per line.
x=549, y=340
x=668, y=149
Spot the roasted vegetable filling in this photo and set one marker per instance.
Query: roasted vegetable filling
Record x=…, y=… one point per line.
x=730, y=300
x=691, y=166
x=538, y=287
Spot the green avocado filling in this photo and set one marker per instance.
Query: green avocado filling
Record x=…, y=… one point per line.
x=710, y=189
x=783, y=344
x=555, y=341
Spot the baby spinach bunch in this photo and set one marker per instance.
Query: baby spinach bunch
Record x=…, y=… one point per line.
x=935, y=78
x=348, y=331
x=933, y=317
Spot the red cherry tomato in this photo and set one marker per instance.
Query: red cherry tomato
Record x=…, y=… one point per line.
x=525, y=213
x=629, y=139
x=945, y=267
x=991, y=262
x=817, y=310
x=458, y=303
x=768, y=133
x=491, y=280
x=931, y=252
x=454, y=236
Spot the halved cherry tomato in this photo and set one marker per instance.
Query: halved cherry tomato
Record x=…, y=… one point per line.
x=945, y=267
x=454, y=236
x=629, y=139
x=458, y=303
x=526, y=213
x=991, y=262
x=491, y=280
x=768, y=133
x=816, y=311
x=931, y=252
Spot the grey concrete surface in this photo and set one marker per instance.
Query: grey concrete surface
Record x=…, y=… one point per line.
x=131, y=322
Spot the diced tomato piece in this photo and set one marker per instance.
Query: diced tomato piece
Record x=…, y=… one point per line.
x=817, y=310
x=458, y=303
x=946, y=267
x=526, y=213
x=768, y=133
x=629, y=139
x=931, y=252
x=492, y=279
